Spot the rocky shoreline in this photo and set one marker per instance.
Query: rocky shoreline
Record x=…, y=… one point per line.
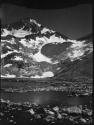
x=16, y=114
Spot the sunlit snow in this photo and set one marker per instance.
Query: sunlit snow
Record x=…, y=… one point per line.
x=27, y=44
x=47, y=74
x=17, y=58
x=20, y=33
x=4, y=55
x=78, y=49
x=12, y=41
x=8, y=76
x=77, y=44
x=53, y=39
x=5, y=33
x=75, y=54
x=9, y=52
x=44, y=30
x=44, y=75
x=34, y=21
x=39, y=57
x=17, y=33
x=7, y=65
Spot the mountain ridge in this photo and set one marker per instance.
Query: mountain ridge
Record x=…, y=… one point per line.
x=22, y=48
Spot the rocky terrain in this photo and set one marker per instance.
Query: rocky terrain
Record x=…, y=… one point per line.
x=12, y=114
x=30, y=50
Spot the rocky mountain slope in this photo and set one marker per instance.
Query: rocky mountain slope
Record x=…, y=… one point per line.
x=80, y=69
x=30, y=50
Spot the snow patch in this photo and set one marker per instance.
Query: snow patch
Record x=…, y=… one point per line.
x=58, y=68
x=12, y=41
x=20, y=33
x=44, y=30
x=52, y=39
x=5, y=32
x=77, y=44
x=77, y=49
x=8, y=76
x=34, y=21
x=47, y=74
x=75, y=54
x=44, y=75
x=17, y=58
x=29, y=44
x=7, y=65
x=9, y=47
x=17, y=33
x=9, y=52
x=39, y=58
x=4, y=55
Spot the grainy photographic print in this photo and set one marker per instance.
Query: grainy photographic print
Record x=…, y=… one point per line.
x=46, y=63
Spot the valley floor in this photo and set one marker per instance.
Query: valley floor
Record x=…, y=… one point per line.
x=72, y=87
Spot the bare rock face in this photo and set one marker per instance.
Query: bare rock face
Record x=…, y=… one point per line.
x=30, y=50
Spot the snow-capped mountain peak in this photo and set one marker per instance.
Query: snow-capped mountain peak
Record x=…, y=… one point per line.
x=34, y=21
x=31, y=50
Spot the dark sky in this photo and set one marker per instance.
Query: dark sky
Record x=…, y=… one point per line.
x=74, y=22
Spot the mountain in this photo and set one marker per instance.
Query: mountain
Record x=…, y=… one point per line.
x=79, y=70
x=30, y=50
